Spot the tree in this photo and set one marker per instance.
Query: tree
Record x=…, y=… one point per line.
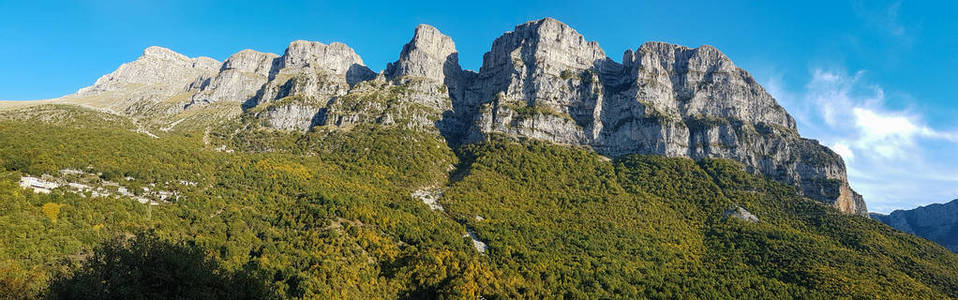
x=146, y=267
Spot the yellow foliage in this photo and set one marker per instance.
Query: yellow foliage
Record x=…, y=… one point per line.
x=291, y=169
x=52, y=210
x=16, y=283
x=98, y=226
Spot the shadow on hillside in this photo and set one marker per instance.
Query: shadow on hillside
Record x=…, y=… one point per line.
x=146, y=267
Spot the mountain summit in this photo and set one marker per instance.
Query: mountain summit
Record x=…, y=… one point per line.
x=543, y=81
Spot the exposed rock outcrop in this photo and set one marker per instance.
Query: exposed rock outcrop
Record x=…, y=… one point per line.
x=160, y=82
x=430, y=55
x=413, y=92
x=531, y=84
x=740, y=213
x=161, y=69
x=316, y=69
x=304, y=81
x=936, y=222
x=242, y=75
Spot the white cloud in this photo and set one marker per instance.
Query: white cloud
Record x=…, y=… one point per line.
x=892, y=135
x=894, y=159
x=835, y=95
x=857, y=119
x=842, y=149
x=883, y=17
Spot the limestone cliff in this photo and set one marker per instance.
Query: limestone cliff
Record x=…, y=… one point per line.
x=158, y=82
x=167, y=71
x=241, y=76
x=303, y=82
x=430, y=55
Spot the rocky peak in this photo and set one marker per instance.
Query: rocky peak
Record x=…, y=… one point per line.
x=163, y=54
x=701, y=82
x=315, y=71
x=336, y=59
x=158, y=67
x=304, y=81
x=242, y=75
x=546, y=46
x=430, y=54
x=251, y=61
x=529, y=66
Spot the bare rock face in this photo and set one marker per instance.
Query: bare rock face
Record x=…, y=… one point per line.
x=242, y=75
x=158, y=83
x=414, y=92
x=696, y=103
x=305, y=79
x=412, y=103
x=430, y=55
x=534, y=80
x=431, y=79
x=740, y=213
x=336, y=60
x=315, y=70
x=158, y=67
x=294, y=115
x=545, y=81
x=428, y=69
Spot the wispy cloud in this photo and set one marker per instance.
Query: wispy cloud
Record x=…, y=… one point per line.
x=893, y=157
x=882, y=16
x=891, y=135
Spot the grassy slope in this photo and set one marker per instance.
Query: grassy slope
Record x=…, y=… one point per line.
x=329, y=215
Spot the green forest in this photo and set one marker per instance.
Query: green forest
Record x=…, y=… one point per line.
x=330, y=214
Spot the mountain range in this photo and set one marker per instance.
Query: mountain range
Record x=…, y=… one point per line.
x=543, y=81
x=554, y=171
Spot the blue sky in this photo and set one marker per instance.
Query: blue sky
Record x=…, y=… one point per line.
x=874, y=80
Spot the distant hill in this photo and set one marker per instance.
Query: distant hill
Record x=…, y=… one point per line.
x=936, y=222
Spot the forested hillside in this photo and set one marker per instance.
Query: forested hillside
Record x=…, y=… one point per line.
x=332, y=214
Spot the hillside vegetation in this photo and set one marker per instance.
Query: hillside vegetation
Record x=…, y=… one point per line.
x=330, y=214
